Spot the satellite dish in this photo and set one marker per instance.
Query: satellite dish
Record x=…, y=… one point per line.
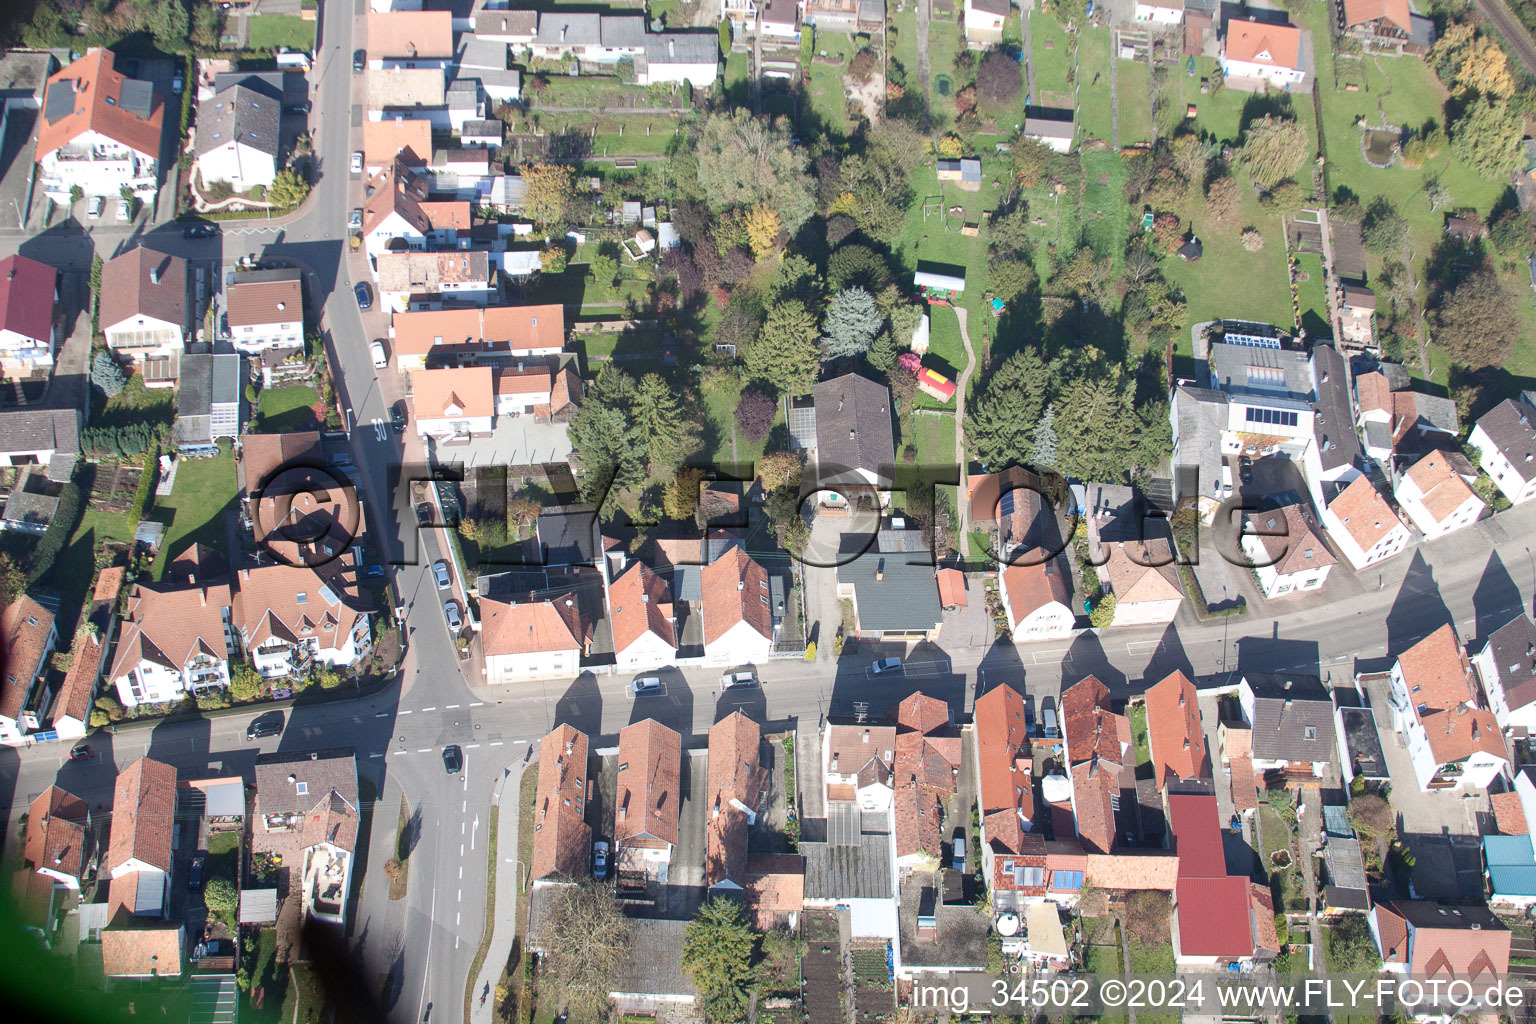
x=1008, y=923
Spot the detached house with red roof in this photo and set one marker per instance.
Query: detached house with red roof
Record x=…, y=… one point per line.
x=1452, y=741
x=1437, y=496
x=61, y=841
x=736, y=608
x=1262, y=53
x=640, y=611
x=139, y=848
x=100, y=130
x=646, y=801
x=927, y=761
x=1387, y=26
x=1037, y=594
x=533, y=638
x=290, y=617
x=144, y=312
x=856, y=765
x=562, y=839
x=1013, y=860
x=29, y=327
x=1363, y=525
x=175, y=638
x=1174, y=736
x=1096, y=747
x=733, y=800
x=1286, y=548
x=1431, y=940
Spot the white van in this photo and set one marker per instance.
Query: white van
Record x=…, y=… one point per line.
x=376, y=349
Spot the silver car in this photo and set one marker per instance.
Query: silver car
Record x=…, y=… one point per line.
x=451, y=610
x=440, y=574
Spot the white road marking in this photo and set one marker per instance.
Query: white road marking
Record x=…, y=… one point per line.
x=376, y=755
x=478, y=704
x=455, y=921
x=462, y=827
x=450, y=707
x=405, y=712
x=382, y=714
x=424, y=710
x=470, y=746
x=461, y=872
x=495, y=743
x=423, y=750
x=399, y=752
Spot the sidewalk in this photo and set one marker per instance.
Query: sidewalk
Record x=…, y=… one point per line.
x=503, y=908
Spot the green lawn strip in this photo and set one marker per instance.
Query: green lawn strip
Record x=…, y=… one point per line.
x=1228, y=270
x=268, y=974
x=492, y=822
x=220, y=843
x=1093, y=95
x=904, y=43
x=828, y=96
x=75, y=565
x=1105, y=214
x=1051, y=54
x=1134, y=88
x=737, y=66
x=1143, y=747
x=1218, y=114
x=283, y=409
x=306, y=1001
x=1312, y=294
x=944, y=43
x=269, y=31
x=193, y=513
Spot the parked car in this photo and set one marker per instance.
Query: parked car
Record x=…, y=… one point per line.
x=424, y=514
x=397, y=416
x=298, y=108
x=359, y=58
x=80, y=752
x=885, y=665
x=124, y=209
x=199, y=229
x=440, y=574
x=957, y=851
x=600, y=859
x=195, y=872
x=356, y=219
x=265, y=725
x=645, y=686
x=93, y=207
x=732, y=680
x=453, y=758
x=451, y=610
x=357, y=161
x=1048, y=719
x=376, y=350
x=364, y=295
x=177, y=83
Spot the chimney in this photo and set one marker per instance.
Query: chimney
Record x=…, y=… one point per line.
x=154, y=275
x=562, y=33
x=880, y=571
x=202, y=598
x=671, y=48
x=1287, y=684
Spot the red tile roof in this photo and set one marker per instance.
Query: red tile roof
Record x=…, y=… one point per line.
x=1358, y=12
x=951, y=588
x=79, y=687
x=736, y=779
x=1471, y=943
x=56, y=836
x=1095, y=785
x=1033, y=582
x=641, y=602
x=1258, y=42
x=922, y=713
x=1365, y=515
x=533, y=627
x=141, y=951
x=735, y=590
x=1215, y=917
x=97, y=87
x=1007, y=785
x=25, y=629
x=26, y=297
x=1091, y=729
x=927, y=757
x=1436, y=671
x=1195, y=823
x=562, y=840
x=1134, y=869
x=646, y=803
x=143, y=806
x=1509, y=814
x=1373, y=392
x=1174, y=733
x=1461, y=732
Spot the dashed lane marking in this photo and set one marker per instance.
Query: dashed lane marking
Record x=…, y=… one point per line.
x=478, y=704
x=423, y=750
x=451, y=707
x=425, y=710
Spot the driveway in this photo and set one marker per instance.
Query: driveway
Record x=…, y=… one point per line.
x=823, y=610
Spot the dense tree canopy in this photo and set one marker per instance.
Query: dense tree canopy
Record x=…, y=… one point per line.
x=1273, y=148
x=851, y=324
x=1476, y=321
x=785, y=355
x=718, y=949
x=1001, y=416
x=745, y=160
x=1486, y=137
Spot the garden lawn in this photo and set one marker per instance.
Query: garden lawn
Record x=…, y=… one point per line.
x=1134, y=88
x=193, y=513
x=71, y=573
x=933, y=434
x=1312, y=294
x=1051, y=54
x=1094, y=112
x=736, y=79
x=944, y=346
x=284, y=409
x=1105, y=213
x=903, y=43
x=828, y=97
x=1219, y=114
x=270, y=31
x=720, y=416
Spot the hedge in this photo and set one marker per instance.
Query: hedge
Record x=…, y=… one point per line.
x=146, y=484
x=58, y=533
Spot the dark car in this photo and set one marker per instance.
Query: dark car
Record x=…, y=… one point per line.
x=195, y=872
x=453, y=759
x=80, y=752
x=397, y=417
x=301, y=107
x=364, y=295
x=199, y=229
x=265, y=725
x=359, y=58
x=1245, y=470
x=424, y=514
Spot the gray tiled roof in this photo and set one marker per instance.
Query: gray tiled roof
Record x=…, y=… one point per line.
x=1201, y=415
x=849, y=872
x=1511, y=426
x=320, y=771
x=654, y=964
x=28, y=430
x=238, y=114
x=853, y=426
x=623, y=30
x=1250, y=370
x=1334, y=427
x=1510, y=648
x=906, y=597
x=682, y=48
x=569, y=28
x=1285, y=707
x=34, y=509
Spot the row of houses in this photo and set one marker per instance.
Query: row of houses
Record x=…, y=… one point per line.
x=113, y=868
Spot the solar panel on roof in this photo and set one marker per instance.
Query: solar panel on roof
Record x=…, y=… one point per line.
x=59, y=103
x=136, y=97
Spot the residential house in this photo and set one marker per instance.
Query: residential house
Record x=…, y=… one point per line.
x=237, y=138
x=845, y=15
x=1357, y=313
x=1506, y=663
x=397, y=215
x=1096, y=742
x=290, y=617
x=386, y=141
x=1440, y=942
x=131, y=949
x=567, y=535
x=674, y=57
x=646, y=801
x=1262, y=52
x=1005, y=789
x=458, y=402
x=1451, y=741
x=30, y=637
x=428, y=280
x=778, y=18
x=1160, y=12
x=1174, y=737
x=495, y=334
x=589, y=37
x=895, y=595
x=29, y=295
x=644, y=633
x=410, y=39
x=144, y=312
x=1291, y=716
x=314, y=794
x=856, y=765
x=139, y=846
x=23, y=82
x=1387, y=26
x=1037, y=595
x=1505, y=438
x=984, y=21
x=71, y=711
x=855, y=443
x=1011, y=506
x=1053, y=129
x=1335, y=455
x=1395, y=420
x=531, y=638
x=60, y=840
x=737, y=786
x=562, y=839
x=1286, y=549
x=650, y=977
x=292, y=504
x=742, y=14
x=483, y=62
x=1218, y=919
x=1199, y=418
x=265, y=310
x=737, y=610
x=1344, y=888
x=412, y=94
x=208, y=401
x=928, y=756
x=176, y=638
x=100, y=130
x=1140, y=574
x=1363, y=525
x=515, y=28
x=1436, y=497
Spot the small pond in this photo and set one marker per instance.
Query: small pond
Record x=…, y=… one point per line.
x=1380, y=146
